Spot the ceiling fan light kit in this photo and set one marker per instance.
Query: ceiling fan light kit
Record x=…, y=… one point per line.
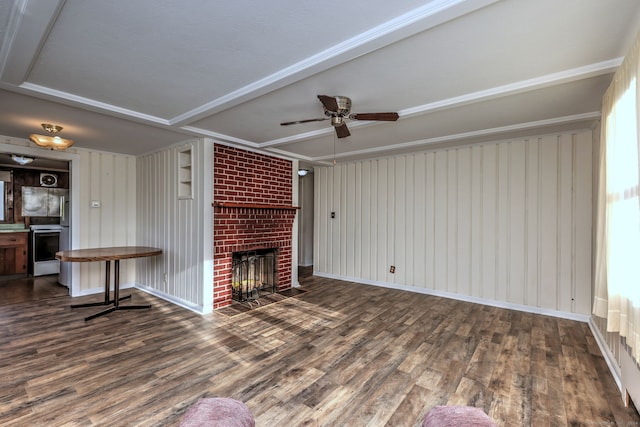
x=337, y=109
x=51, y=141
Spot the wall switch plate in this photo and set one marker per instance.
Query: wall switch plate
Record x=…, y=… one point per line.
x=95, y=203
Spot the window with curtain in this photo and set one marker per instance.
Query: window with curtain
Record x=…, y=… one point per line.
x=617, y=275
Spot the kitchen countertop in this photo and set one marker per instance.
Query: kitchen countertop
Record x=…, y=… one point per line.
x=13, y=228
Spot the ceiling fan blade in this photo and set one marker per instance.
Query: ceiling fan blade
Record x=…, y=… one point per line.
x=342, y=131
x=320, y=119
x=329, y=102
x=387, y=117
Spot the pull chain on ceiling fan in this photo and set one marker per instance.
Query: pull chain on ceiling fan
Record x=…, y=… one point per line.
x=338, y=109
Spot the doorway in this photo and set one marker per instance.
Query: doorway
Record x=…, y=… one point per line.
x=305, y=219
x=58, y=163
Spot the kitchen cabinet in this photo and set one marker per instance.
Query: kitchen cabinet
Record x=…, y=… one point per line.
x=13, y=253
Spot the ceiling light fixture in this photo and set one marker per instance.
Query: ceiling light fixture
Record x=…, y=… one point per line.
x=51, y=141
x=303, y=172
x=21, y=160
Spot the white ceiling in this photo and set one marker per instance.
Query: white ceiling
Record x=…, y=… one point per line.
x=135, y=76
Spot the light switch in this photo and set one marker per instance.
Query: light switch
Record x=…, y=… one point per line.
x=95, y=203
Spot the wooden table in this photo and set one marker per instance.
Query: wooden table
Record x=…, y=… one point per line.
x=108, y=255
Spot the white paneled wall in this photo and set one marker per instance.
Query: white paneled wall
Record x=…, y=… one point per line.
x=110, y=180
x=506, y=221
x=183, y=228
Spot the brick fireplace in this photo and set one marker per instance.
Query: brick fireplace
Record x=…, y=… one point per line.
x=252, y=211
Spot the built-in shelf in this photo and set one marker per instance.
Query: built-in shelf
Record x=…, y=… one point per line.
x=254, y=206
x=185, y=173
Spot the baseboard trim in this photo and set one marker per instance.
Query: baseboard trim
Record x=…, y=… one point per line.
x=467, y=298
x=612, y=363
x=174, y=300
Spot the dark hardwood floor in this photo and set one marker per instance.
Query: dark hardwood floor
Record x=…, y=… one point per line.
x=340, y=354
x=24, y=289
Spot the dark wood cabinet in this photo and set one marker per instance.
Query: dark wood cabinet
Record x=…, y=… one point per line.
x=13, y=253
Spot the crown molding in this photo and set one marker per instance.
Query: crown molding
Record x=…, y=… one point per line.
x=75, y=100
x=418, y=144
x=220, y=136
x=548, y=80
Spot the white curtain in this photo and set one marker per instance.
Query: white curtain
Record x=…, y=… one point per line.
x=617, y=267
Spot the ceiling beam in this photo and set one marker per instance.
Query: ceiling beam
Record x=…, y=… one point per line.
x=29, y=26
x=430, y=15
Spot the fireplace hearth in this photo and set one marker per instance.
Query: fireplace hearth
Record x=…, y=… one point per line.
x=253, y=272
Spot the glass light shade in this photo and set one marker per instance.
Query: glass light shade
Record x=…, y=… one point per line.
x=52, y=142
x=303, y=172
x=21, y=160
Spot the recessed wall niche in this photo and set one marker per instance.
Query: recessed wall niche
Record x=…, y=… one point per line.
x=185, y=173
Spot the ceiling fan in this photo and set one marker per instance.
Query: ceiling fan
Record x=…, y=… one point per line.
x=337, y=109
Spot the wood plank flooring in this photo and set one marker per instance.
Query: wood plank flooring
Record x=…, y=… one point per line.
x=25, y=289
x=340, y=354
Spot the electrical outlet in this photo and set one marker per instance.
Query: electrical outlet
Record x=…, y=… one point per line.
x=166, y=277
x=392, y=269
x=333, y=215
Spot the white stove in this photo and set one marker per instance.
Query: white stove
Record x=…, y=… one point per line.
x=40, y=227
x=45, y=242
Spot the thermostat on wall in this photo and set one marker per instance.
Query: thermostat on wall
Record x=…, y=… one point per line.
x=48, y=180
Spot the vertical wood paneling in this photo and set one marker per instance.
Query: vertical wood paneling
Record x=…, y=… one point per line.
x=489, y=221
x=430, y=222
x=507, y=221
x=463, y=229
x=441, y=202
x=366, y=216
x=111, y=180
x=451, y=224
x=565, y=222
x=407, y=271
x=349, y=225
x=382, y=222
x=401, y=207
x=375, y=219
x=532, y=214
x=582, y=222
x=548, y=231
x=420, y=222
x=182, y=227
x=502, y=213
x=319, y=203
x=477, y=204
x=517, y=266
x=391, y=223
x=358, y=215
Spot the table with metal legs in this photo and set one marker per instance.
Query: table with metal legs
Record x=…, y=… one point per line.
x=108, y=255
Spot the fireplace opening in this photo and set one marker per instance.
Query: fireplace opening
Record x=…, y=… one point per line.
x=253, y=271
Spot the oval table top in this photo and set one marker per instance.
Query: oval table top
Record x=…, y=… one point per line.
x=107, y=254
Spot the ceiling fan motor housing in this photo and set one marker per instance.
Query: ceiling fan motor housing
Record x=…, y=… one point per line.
x=344, y=105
